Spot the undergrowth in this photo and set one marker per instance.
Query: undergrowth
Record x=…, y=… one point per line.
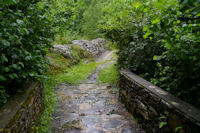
x=43, y=124
x=109, y=74
x=67, y=37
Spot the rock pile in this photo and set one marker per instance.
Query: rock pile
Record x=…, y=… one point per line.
x=95, y=47
x=63, y=49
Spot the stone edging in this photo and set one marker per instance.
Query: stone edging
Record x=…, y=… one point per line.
x=151, y=105
x=19, y=113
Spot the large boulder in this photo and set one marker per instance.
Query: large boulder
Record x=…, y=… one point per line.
x=63, y=50
x=95, y=47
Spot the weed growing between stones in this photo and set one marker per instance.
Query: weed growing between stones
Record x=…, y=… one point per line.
x=43, y=124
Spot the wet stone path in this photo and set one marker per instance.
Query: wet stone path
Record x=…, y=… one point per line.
x=91, y=108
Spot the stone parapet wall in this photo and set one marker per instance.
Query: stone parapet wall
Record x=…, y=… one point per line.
x=22, y=110
x=154, y=107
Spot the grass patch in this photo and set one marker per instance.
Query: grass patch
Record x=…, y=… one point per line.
x=43, y=124
x=109, y=74
x=110, y=46
x=77, y=73
x=57, y=62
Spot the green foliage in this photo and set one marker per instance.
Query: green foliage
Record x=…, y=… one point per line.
x=43, y=124
x=57, y=62
x=123, y=25
x=158, y=39
x=109, y=74
x=27, y=28
x=3, y=97
x=67, y=37
x=111, y=46
x=91, y=17
x=88, y=14
x=161, y=124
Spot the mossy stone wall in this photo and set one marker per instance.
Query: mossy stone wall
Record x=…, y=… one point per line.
x=155, y=109
x=22, y=111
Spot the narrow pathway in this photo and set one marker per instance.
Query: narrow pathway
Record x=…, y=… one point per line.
x=91, y=108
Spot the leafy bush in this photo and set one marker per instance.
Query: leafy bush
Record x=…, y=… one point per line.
x=27, y=28
x=178, y=68
x=159, y=40
x=125, y=28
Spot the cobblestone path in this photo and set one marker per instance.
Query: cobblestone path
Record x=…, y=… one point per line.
x=91, y=108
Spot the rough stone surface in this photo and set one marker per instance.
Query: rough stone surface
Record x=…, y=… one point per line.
x=91, y=108
x=148, y=103
x=63, y=49
x=95, y=47
x=18, y=114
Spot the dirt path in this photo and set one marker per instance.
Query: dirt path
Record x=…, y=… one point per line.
x=91, y=108
x=108, y=55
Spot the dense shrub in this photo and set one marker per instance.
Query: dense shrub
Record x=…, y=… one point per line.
x=126, y=28
x=85, y=20
x=27, y=27
x=160, y=41
x=179, y=66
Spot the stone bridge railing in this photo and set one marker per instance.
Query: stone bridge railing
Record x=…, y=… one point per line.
x=154, y=107
x=22, y=110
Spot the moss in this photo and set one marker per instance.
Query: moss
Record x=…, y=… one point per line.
x=82, y=53
x=43, y=124
x=24, y=107
x=58, y=63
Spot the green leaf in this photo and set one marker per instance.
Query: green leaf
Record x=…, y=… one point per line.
x=20, y=22
x=146, y=35
x=155, y=21
x=162, y=117
x=6, y=43
x=145, y=28
x=4, y=58
x=24, y=31
x=161, y=124
x=2, y=78
x=168, y=46
x=136, y=5
x=21, y=63
x=6, y=69
x=178, y=128
x=157, y=58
